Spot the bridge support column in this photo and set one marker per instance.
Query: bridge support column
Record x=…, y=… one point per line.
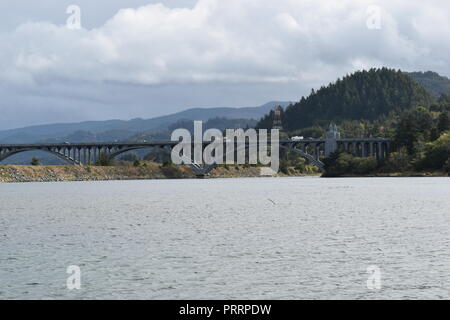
x=380, y=151
x=354, y=148
x=330, y=147
x=346, y=147
x=317, y=151
x=331, y=137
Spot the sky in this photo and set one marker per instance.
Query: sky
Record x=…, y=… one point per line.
x=125, y=59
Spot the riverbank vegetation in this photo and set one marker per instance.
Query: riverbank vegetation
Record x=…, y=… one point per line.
x=421, y=144
x=381, y=103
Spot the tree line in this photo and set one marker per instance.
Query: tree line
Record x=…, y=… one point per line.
x=376, y=103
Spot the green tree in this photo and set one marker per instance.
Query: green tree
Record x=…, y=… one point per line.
x=284, y=166
x=444, y=101
x=443, y=122
x=363, y=95
x=167, y=163
x=364, y=165
x=414, y=127
x=337, y=164
x=35, y=161
x=103, y=160
x=309, y=132
x=342, y=163
x=398, y=161
x=136, y=163
x=436, y=154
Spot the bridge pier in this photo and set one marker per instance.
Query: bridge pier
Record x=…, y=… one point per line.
x=363, y=149
x=380, y=151
x=317, y=151
x=347, y=147
x=331, y=137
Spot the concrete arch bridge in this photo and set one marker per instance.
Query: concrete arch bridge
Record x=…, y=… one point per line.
x=310, y=149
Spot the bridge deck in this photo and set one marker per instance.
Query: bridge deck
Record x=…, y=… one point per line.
x=166, y=143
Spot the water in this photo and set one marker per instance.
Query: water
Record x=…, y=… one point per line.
x=274, y=238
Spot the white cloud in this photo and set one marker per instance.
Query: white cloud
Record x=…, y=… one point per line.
x=233, y=41
x=214, y=53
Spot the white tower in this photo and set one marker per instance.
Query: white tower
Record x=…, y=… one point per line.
x=331, y=137
x=277, y=124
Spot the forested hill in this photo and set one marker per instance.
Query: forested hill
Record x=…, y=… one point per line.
x=433, y=82
x=361, y=95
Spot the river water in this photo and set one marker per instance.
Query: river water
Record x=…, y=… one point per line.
x=259, y=238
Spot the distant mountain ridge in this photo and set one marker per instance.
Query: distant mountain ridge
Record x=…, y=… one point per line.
x=433, y=82
x=121, y=129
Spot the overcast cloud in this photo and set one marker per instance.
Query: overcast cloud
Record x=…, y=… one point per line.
x=157, y=58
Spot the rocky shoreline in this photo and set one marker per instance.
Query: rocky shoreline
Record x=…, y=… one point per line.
x=17, y=173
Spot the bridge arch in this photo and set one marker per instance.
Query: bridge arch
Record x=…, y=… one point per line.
x=117, y=153
x=305, y=155
x=199, y=170
x=57, y=153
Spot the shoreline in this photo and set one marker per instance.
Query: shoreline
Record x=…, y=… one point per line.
x=150, y=171
x=154, y=171
x=406, y=174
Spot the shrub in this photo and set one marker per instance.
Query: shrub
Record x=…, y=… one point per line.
x=337, y=164
x=437, y=153
x=167, y=163
x=35, y=161
x=397, y=161
x=171, y=171
x=310, y=169
x=300, y=164
x=103, y=160
x=284, y=166
x=342, y=163
x=364, y=165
